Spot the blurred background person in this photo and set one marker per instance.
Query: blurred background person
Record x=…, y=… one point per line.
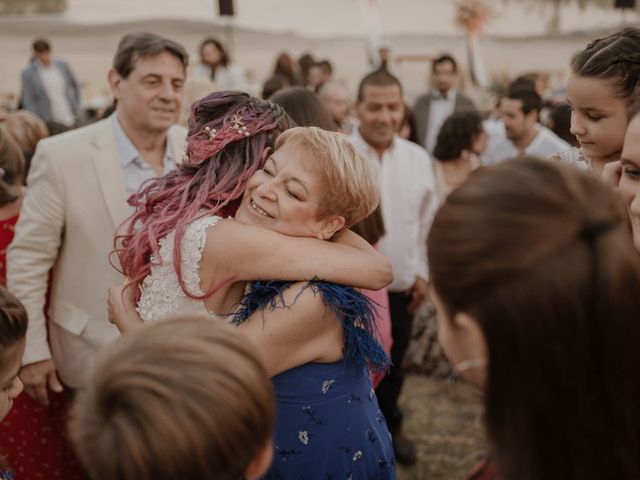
x=194, y=89
x=460, y=142
x=304, y=108
x=50, y=90
x=272, y=85
x=408, y=126
x=560, y=123
x=305, y=62
x=27, y=130
x=319, y=73
x=335, y=98
x=216, y=65
x=520, y=113
x=11, y=194
x=287, y=69
x=442, y=99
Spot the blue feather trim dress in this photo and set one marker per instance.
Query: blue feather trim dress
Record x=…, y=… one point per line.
x=328, y=423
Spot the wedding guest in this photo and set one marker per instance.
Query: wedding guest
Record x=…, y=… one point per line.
x=13, y=329
x=286, y=69
x=335, y=98
x=604, y=78
x=460, y=142
x=408, y=203
x=216, y=65
x=11, y=194
x=432, y=108
x=535, y=280
x=65, y=232
x=184, y=398
x=27, y=130
x=304, y=108
x=520, y=114
x=319, y=73
x=50, y=90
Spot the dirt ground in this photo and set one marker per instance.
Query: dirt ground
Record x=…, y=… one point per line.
x=444, y=419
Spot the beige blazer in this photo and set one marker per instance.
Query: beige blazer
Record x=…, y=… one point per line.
x=75, y=200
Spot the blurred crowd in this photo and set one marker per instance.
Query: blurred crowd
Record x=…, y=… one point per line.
x=197, y=192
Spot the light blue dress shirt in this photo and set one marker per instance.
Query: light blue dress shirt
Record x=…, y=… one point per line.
x=134, y=168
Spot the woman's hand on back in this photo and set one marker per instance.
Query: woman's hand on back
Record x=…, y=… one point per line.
x=122, y=308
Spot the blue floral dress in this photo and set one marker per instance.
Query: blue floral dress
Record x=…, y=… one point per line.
x=328, y=423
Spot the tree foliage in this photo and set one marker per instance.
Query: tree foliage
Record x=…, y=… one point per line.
x=16, y=7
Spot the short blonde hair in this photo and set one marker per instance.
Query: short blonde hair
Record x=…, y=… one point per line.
x=183, y=398
x=351, y=189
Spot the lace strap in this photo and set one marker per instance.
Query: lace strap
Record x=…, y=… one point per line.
x=193, y=242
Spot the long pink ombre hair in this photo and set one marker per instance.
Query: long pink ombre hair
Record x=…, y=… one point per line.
x=228, y=132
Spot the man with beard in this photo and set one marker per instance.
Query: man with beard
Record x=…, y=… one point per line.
x=519, y=112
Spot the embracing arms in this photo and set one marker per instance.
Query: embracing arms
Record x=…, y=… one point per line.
x=247, y=252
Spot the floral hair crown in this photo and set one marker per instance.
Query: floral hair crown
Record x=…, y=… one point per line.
x=216, y=135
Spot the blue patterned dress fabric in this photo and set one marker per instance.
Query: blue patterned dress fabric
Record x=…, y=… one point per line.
x=328, y=423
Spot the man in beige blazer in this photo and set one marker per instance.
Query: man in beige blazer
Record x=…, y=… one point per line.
x=77, y=197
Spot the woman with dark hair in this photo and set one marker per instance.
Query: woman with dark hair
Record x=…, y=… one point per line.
x=305, y=62
x=286, y=69
x=460, y=142
x=408, y=126
x=215, y=64
x=536, y=280
x=304, y=107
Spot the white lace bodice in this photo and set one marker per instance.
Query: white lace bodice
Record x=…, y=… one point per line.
x=161, y=293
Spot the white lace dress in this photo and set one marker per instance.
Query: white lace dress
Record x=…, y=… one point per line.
x=161, y=293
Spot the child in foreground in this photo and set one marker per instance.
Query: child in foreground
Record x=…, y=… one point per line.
x=13, y=330
x=183, y=398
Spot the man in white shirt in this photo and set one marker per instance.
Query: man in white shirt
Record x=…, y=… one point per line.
x=50, y=90
x=408, y=203
x=519, y=112
x=433, y=108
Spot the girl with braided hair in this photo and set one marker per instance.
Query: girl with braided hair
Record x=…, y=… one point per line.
x=600, y=90
x=296, y=204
